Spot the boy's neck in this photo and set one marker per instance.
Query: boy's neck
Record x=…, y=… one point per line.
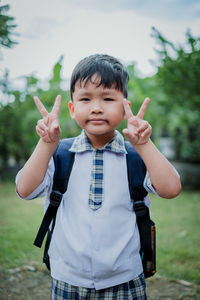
x=99, y=141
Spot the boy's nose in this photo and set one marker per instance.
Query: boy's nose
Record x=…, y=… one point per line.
x=97, y=108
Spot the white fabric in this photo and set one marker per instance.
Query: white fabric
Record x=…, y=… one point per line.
x=94, y=248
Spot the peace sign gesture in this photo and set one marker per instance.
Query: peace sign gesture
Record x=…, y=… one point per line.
x=48, y=128
x=138, y=131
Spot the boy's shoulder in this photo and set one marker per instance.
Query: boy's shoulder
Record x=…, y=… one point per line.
x=132, y=154
x=64, y=147
x=65, y=152
x=135, y=167
x=66, y=144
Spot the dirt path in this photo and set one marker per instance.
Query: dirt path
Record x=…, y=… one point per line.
x=30, y=283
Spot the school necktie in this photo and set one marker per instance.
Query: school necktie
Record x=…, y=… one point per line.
x=82, y=144
x=96, y=193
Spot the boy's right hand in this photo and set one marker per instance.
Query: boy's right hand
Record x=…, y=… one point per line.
x=48, y=128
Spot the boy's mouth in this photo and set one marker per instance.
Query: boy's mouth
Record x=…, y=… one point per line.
x=97, y=121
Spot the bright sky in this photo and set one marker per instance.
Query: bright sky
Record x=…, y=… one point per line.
x=77, y=28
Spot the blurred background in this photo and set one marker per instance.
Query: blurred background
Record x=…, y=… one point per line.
x=159, y=42
x=41, y=42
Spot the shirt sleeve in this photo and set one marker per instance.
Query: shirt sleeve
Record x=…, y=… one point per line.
x=46, y=185
x=148, y=185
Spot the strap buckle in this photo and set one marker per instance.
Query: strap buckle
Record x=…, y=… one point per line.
x=55, y=198
x=140, y=208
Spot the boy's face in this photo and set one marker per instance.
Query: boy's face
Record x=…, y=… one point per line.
x=97, y=110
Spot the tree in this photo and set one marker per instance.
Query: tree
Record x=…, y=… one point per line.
x=6, y=28
x=19, y=115
x=179, y=77
x=138, y=90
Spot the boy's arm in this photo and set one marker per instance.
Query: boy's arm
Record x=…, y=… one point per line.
x=35, y=168
x=163, y=176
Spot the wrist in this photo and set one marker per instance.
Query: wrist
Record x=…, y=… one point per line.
x=141, y=148
x=50, y=147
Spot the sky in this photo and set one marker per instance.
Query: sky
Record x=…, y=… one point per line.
x=48, y=29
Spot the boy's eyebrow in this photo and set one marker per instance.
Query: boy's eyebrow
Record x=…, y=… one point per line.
x=109, y=92
x=105, y=92
x=84, y=93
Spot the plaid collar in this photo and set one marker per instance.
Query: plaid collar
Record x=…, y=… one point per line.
x=81, y=144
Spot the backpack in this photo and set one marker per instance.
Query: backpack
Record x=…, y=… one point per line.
x=137, y=192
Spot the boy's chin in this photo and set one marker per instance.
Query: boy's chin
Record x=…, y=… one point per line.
x=100, y=133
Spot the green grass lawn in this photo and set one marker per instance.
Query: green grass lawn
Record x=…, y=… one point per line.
x=178, y=235
x=177, y=222
x=19, y=222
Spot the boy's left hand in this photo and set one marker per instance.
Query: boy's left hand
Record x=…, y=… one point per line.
x=138, y=131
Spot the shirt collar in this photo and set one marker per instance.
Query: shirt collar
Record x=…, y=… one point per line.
x=81, y=144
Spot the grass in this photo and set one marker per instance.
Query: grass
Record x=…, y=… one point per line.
x=19, y=222
x=177, y=222
x=178, y=240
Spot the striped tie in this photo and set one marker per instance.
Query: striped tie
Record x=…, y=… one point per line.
x=96, y=193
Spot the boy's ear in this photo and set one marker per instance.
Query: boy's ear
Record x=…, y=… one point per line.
x=129, y=103
x=71, y=109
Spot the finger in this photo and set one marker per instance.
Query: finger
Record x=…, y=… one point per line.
x=56, y=106
x=41, y=124
x=143, y=108
x=132, y=137
x=128, y=111
x=40, y=107
x=41, y=132
x=130, y=134
x=143, y=126
x=54, y=127
x=54, y=132
x=147, y=132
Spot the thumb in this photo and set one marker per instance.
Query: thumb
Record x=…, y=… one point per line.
x=126, y=133
x=55, y=127
x=132, y=137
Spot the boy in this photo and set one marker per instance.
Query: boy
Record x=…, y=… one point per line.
x=94, y=251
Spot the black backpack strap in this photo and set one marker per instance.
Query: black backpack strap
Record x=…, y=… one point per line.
x=136, y=173
x=63, y=161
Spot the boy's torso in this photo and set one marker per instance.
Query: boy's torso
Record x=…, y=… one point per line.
x=96, y=248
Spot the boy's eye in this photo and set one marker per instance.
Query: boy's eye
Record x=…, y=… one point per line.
x=84, y=99
x=108, y=99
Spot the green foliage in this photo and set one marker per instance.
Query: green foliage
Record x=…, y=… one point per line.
x=6, y=27
x=56, y=79
x=19, y=116
x=179, y=77
x=138, y=90
x=174, y=107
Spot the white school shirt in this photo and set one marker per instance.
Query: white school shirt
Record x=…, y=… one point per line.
x=94, y=249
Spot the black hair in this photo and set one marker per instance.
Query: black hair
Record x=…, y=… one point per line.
x=109, y=70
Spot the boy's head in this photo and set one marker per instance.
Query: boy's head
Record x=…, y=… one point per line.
x=98, y=88
x=109, y=70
